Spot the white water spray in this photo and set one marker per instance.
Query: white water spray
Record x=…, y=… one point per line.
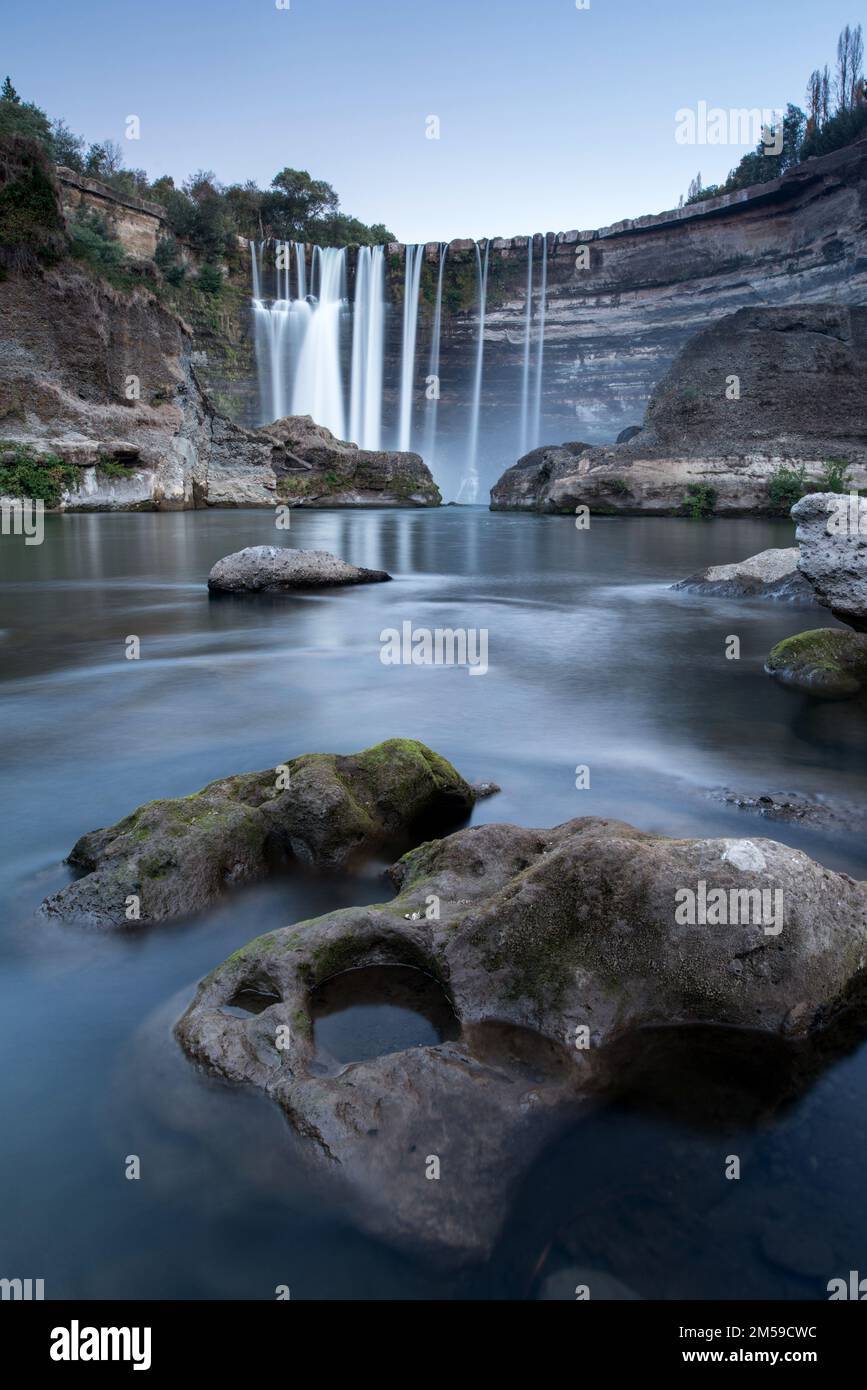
x=318, y=385
x=469, y=488
x=434, y=363
x=412, y=282
x=368, y=345
x=537, y=405
x=525, y=376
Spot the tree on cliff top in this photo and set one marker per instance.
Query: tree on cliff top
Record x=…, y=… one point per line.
x=813, y=132
x=296, y=207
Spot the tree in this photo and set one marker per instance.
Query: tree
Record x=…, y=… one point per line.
x=294, y=201
x=66, y=147
x=103, y=160
x=19, y=117
x=850, y=59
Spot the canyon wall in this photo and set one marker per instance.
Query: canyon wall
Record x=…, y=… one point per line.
x=612, y=329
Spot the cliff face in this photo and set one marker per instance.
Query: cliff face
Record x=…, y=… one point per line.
x=613, y=329
x=761, y=389
x=106, y=381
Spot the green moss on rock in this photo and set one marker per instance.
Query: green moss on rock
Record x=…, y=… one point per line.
x=827, y=661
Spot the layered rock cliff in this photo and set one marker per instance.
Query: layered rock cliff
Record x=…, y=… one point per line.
x=761, y=390
x=616, y=317
x=105, y=382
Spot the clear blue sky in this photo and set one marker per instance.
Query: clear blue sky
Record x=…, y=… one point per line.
x=551, y=118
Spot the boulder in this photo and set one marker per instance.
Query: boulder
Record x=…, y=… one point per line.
x=832, y=534
x=553, y=946
x=771, y=574
x=315, y=469
x=276, y=569
x=826, y=661
x=177, y=856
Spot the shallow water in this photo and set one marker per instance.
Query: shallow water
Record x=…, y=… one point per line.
x=592, y=661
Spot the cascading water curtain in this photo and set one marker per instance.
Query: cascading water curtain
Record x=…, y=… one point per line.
x=433, y=383
x=318, y=386
x=537, y=405
x=412, y=283
x=368, y=348
x=469, y=488
x=523, y=444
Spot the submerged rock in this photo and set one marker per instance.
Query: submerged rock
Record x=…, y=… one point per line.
x=274, y=569
x=826, y=661
x=794, y=807
x=174, y=857
x=770, y=574
x=550, y=944
x=832, y=533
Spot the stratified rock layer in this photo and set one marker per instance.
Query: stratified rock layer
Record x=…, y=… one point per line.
x=800, y=375
x=551, y=944
x=177, y=856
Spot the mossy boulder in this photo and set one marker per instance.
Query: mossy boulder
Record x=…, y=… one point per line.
x=553, y=947
x=827, y=661
x=174, y=857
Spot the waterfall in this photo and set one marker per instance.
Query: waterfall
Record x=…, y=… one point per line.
x=525, y=377
x=537, y=405
x=434, y=363
x=270, y=336
x=411, y=286
x=469, y=488
x=301, y=269
x=318, y=385
x=368, y=341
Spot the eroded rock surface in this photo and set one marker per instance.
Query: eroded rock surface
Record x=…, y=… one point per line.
x=552, y=945
x=275, y=569
x=177, y=856
x=832, y=534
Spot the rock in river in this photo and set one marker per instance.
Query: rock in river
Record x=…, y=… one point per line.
x=770, y=574
x=549, y=944
x=275, y=569
x=177, y=856
x=826, y=661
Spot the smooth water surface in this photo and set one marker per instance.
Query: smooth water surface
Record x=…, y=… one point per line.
x=593, y=661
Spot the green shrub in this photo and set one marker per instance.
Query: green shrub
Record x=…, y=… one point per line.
x=835, y=476
x=31, y=222
x=91, y=240
x=40, y=477
x=114, y=468
x=786, y=486
x=700, y=501
x=618, y=486
x=210, y=279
